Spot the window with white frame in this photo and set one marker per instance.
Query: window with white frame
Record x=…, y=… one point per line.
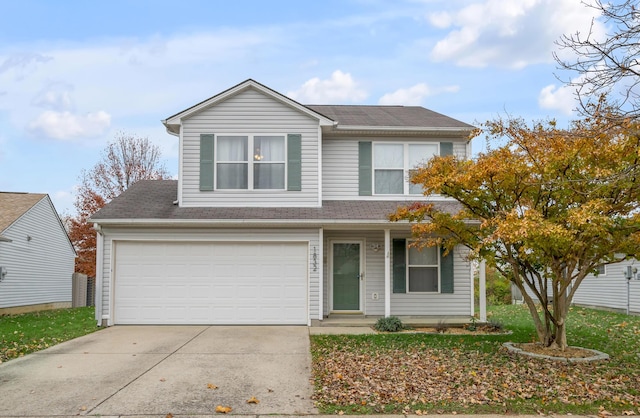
x=601, y=270
x=250, y=162
x=423, y=265
x=393, y=164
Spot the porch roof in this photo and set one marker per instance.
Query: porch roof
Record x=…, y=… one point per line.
x=154, y=200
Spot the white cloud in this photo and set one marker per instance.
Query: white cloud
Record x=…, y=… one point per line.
x=441, y=20
x=560, y=98
x=414, y=95
x=338, y=89
x=66, y=125
x=508, y=33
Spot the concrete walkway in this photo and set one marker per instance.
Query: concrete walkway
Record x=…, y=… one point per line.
x=157, y=370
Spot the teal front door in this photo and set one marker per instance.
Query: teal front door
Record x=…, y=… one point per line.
x=346, y=276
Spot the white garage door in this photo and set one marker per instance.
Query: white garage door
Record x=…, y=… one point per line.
x=210, y=283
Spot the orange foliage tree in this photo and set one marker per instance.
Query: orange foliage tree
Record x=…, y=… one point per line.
x=545, y=209
x=125, y=160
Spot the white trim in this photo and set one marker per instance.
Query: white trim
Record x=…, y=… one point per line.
x=482, y=288
x=177, y=118
x=320, y=193
x=362, y=282
x=387, y=273
x=320, y=274
x=99, y=273
x=180, y=166
x=401, y=128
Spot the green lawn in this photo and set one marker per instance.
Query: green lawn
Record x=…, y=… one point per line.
x=26, y=333
x=426, y=374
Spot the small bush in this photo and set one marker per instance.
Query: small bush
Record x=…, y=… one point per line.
x=389, y=324
x=495, y=325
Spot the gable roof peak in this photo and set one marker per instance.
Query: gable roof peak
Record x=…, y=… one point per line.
x=173, y=123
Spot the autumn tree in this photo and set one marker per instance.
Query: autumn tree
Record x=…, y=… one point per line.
x=606, y=64
x=125, y=160
x=545, y=209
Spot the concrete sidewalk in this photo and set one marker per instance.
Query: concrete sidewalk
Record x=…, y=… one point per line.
x=157, y=370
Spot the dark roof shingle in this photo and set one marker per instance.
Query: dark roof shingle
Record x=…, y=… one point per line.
x=396, y=116
x=153, y=199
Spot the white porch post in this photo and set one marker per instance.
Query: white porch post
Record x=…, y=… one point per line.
x=387, y=273
x=320, y=274
x=482, y=288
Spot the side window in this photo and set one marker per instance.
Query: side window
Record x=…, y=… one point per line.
x=268, y=162
x=423, y=269
x=232, y=164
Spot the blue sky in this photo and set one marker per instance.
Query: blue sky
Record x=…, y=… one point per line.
x=74, y=73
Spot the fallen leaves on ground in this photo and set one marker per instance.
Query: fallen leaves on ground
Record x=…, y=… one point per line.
x=223, y=409
x=211, y=386
x=253, y=400
x=420, y=375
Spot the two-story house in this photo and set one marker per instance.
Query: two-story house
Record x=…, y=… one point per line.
x=280, y=216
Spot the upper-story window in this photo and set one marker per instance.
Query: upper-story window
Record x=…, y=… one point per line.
x=393, y=164
x=250, y=162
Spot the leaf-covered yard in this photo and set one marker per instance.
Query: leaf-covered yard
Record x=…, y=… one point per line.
x=422, y=373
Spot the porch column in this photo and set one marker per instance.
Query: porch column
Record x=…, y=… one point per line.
x=387, y=273
x=320, y=274
x=482, y=288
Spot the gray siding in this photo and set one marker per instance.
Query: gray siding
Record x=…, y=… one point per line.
x=249, y=112
x=38, y=270
x=455, y=305
x=340, y=165
x=257, y=235
x=610, y=290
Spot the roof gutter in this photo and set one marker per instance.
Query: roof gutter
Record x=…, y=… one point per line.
x=401, y=128
x=250, y=222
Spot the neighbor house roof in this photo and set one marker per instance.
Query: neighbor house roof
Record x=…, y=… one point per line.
x=154, y=200
x=14, y=205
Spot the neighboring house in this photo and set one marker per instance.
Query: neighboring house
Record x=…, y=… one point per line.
x=610, y=288
x=280, y=216
x=36, y=257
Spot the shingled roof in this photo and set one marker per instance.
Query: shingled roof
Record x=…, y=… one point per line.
x=391, y=116
x=153, y=200
x=14, y=205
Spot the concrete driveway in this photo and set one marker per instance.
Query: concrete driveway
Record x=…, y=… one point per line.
x=157, y=370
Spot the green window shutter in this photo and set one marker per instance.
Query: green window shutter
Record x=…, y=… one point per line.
x=446, y=148
x=206, y=162
x=446, y=272
x=399, y=266
x=365, y=167
x=294, y=162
